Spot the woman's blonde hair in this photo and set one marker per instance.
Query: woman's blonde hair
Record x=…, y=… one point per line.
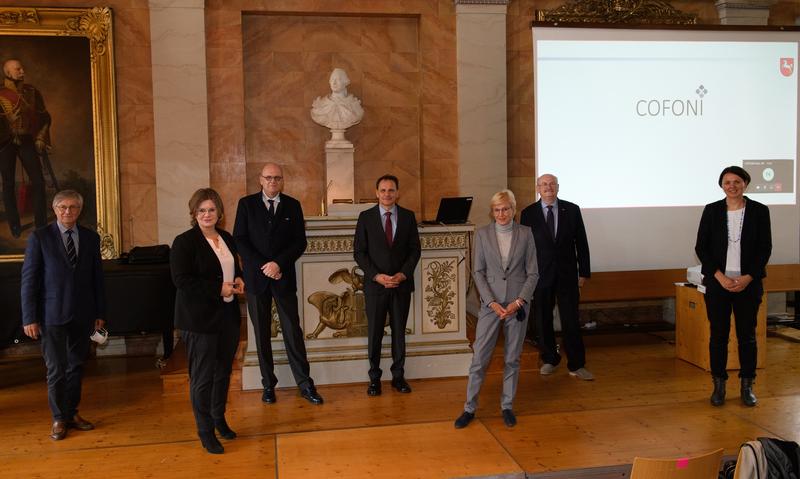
x=503, y=196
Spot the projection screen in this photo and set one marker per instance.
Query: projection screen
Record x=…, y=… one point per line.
x=638, y=124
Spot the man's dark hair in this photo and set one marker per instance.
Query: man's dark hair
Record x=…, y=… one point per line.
x=390, y=178
x=736, y=170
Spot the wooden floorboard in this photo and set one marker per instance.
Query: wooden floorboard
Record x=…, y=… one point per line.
x=644, y=402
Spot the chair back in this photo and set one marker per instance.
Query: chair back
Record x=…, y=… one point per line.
x=705, y=466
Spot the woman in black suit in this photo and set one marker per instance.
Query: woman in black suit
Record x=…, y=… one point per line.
x=734, y=243
x=206, y=272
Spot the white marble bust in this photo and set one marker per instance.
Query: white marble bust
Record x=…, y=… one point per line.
x=337, y=111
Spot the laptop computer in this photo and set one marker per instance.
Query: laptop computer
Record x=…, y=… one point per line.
x=452, y=211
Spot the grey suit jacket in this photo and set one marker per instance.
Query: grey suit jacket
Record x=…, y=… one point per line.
x=518, y=279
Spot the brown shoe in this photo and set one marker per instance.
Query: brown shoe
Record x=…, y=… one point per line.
x=58, y=431
x=80, y=424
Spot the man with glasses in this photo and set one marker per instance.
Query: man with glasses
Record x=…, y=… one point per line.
x=271, y=236
x=562, y=251
x=63, y=302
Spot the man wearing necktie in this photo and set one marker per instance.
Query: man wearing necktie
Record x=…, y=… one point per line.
x=387, y=249
x=562, y=251
x=271, y=236
x=63, y=302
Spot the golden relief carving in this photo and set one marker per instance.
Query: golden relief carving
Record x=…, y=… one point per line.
x=107, y=249
x=15, y=16
x=329, y=244
x=441, y=277
x=95, y=25
x=275, y=325
x=444, y=240
x=344, y=313
x=344, y=244
x=639, y=12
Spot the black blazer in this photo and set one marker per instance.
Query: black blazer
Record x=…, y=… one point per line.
x=712, y=239
x=55, y=293
x=374, y=256
x=197, y=275
x=567, y=256
x=261, y=239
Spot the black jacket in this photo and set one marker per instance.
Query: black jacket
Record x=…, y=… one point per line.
x=712, y=239
x=374, y=256
x=261, y=239
x=567, y=256
x=197, y=275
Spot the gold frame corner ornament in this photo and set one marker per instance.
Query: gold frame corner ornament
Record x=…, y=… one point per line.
x=95, y=24
x=633, y=12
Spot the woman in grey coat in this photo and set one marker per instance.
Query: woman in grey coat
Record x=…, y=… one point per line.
x=505, y=273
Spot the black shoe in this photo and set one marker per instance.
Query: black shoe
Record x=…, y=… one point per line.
x=401, y=385
x=211, y=443
x=311, y=395
x=464, y=419
x=269, y=396
x=16, y=231
x=748, y=398
x=374, y=388
x=224, y=430
x=509, y=418
x=718, y=396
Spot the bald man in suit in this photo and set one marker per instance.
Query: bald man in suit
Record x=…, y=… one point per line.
x=562, y=251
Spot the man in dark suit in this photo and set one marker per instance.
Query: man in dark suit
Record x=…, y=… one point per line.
x=387, y=249
x=63, y=302
x=270, y=234
x=563, y=255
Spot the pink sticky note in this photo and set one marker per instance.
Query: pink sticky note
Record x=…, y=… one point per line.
x=682, y=463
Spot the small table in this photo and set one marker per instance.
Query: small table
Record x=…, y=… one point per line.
x=693, y=330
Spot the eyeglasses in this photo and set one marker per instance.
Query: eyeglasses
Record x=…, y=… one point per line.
x=505, y=209
x=270, y=179
x=202, y=211
x=64, y=208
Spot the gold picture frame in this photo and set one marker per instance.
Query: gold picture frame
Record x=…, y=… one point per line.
x=55, y=26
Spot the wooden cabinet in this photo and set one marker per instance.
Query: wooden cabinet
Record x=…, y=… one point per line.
x=692, y=330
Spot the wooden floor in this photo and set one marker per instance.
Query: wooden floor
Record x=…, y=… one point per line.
x=644, y=402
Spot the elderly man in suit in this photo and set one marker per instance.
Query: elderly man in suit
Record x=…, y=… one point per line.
x=505, y=273
x=270, y=235
x=563, y=254
x=387, y=249
x=63, y=302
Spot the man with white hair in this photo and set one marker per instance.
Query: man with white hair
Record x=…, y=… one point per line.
x=24, y=134
x=562, y=252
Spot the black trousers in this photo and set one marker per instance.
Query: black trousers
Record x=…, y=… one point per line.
x=64, y=349
x=567, y=298
x=210, y=364
x=744, y=304
x=8, y=167
x=260, y=308
x=396, y=304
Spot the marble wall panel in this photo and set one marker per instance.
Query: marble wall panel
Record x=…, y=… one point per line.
x=378, y=42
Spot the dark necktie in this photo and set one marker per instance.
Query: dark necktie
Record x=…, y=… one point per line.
x=271, y=207
x=551, y=221
x=71, y=255
x=388, y=227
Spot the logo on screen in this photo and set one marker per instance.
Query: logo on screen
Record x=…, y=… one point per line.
x=673, y=106
x=787, y=66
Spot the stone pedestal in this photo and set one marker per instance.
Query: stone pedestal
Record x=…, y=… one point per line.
x=339, y=171
x=330, y=299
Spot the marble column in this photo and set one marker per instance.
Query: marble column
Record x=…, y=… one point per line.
x=482, y=118
x=180, y=110
x=744, y=12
